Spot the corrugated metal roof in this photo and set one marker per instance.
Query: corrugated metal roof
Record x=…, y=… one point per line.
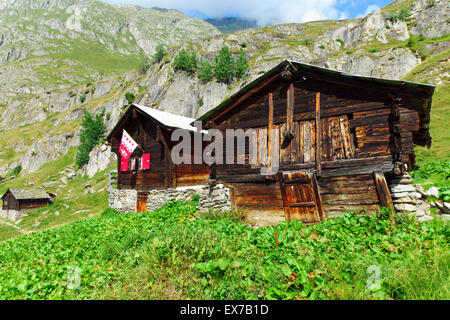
x=299, y=66
x=22, y=194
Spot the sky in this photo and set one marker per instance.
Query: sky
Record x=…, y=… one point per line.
x=267, y=12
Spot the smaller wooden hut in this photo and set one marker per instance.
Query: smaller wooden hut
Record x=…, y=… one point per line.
x=152, y=130
x=25, y=199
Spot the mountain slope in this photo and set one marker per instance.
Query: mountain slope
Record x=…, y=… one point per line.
x=48, y=46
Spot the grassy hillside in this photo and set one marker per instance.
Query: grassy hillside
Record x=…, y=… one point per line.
x=172, y=254
x=435, y=70
x=79, y=198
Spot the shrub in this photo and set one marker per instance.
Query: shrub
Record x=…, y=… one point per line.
x=241, y=65
x=83, y=98
x=130, y=97
x=414, y=43
x=374, y=50
x=159, y=54
x=186, y=62
x=16, y=171
x=92, y=131
x=224, y=65
x=341, y=42
x=205, y=70
x=404, y=13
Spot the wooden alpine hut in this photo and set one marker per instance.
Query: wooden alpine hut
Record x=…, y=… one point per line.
x=151, y=129
x=342, y=137
x=26, y=199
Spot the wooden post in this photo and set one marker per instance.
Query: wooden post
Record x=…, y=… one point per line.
x=269, y=129
x=290, y=108
x=383, y=191
x=318, y=136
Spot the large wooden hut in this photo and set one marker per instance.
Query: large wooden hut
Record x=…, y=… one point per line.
x=25, y=199
x=342, y=138
x=152, y=129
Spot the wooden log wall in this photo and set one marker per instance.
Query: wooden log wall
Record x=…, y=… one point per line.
x=356, y=139
x=163, y=173
x=28, y=204
x=263, y=202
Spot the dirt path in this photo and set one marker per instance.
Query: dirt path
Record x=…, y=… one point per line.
x=14, y=226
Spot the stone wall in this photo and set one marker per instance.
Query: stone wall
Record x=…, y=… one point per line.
x=11, y=214
x=215, y=198
x=412, y=199
x=123, y=200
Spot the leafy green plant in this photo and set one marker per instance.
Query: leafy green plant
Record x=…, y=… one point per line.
x=415, y=44
x=83, y=98
x=130, y=97
x=16, y=170
x=404, y=13
x=341, y=42
x=91, y=133
x=159, y=54
x=167, y=253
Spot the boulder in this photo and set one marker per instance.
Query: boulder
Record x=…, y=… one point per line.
x=421, y=190
x=402, y=180
x=397, y=188
x=50, y=184
x=433, y=192
x=425, y=218
x=405, y=207
x=446, y=207
x=397, y=195
x=444, y=217
x=100, y=158
x=411, y=200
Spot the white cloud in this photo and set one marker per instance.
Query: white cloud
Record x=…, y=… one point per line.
x=263, y=11
x=371, y=9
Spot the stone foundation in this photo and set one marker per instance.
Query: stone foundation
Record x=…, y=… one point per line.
x=408, y=198
x=123, y=200
x=215, y=198
x=11, y=214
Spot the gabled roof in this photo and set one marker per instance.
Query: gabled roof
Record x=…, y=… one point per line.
x=166, y=119
x=22, y=194
x=421, y=92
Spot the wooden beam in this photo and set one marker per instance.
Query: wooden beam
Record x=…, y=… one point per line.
x=290, y=108
x=383, y=190
x=269, y=128
x=245, y=97
x=318, y=136
x=284, y=195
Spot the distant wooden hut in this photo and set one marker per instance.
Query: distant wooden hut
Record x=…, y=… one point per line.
x=26, y=199
x=152, y=129
x=341, y=137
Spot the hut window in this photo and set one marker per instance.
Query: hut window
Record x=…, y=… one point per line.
x=135, y=164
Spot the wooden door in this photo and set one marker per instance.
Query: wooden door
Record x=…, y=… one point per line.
x=301, y=198
x=141, y=205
